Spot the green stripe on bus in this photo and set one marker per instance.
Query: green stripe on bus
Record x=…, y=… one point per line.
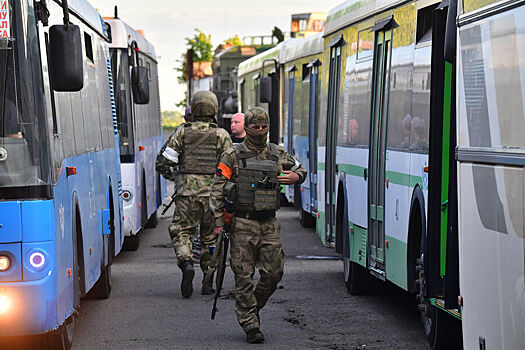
x=447, y=96
x=394, y=177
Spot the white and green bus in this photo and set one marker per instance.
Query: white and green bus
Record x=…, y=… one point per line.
x=491, y=177
x=378, y=123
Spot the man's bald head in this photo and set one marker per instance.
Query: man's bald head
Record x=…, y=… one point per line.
x=237, y=125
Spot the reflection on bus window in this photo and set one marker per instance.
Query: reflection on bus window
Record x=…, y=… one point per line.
x=23, y=158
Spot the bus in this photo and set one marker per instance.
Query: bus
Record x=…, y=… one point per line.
x=300, y=65
x=139, y=128
x=490, y=172
x=263, y=68
x=375, y=163
x=60, y=207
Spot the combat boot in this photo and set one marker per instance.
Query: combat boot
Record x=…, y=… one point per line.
x=186, y=286
x=207, y=287
x=254, y=336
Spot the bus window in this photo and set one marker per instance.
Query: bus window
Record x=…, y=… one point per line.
x=123, y=100
x=23, y=135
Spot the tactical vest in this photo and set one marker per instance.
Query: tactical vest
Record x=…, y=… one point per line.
x=258, y=189
x=201, y=159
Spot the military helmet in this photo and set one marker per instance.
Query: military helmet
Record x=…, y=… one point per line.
x=256, y=115
x=204, y=104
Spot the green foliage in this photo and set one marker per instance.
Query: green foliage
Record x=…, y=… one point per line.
x=171, y=119
x=202, y=52
x=234, y=41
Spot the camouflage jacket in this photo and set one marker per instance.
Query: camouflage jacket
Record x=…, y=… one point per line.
x=229, y=160
x=193, y=184
x=161, y=163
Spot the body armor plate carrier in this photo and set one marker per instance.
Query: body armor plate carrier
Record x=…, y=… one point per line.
x=200, y=158
x=258, y=189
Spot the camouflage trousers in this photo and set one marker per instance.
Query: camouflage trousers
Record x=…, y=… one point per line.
x=190, y=211
x=254, y=244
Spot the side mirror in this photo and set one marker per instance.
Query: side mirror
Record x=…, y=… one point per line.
x=66, y=63
x=265, y=95
x=140, y=85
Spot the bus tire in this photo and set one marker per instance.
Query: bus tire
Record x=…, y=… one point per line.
x=357, y=278
x=144, y=208
x=153, y=221
x=102, y=288
x=444, y=331
x=306, y=219
x=131, y=243
x=60, y=339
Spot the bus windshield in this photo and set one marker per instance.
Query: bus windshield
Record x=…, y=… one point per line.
x=24, y=167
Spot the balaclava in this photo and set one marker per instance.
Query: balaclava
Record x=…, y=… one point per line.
x=256, y=139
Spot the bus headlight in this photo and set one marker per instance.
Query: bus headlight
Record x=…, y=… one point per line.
x=4, y=303
x=37, y=260
x=5, y=263
x=127, y=195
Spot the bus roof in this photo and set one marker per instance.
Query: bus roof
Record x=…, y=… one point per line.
x=256, y=61
x=88, y=14
x=122, y=35
x=352, y=11
x=303, y=47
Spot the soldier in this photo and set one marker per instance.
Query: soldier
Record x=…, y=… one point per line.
x=195, y=148
x=250, y=174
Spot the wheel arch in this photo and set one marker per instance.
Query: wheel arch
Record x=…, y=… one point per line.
x=417, y=232
x=78, y=242
x=341, y=217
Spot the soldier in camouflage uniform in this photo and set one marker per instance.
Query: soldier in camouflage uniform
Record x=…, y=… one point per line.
x=250, y=174
x=195, y=148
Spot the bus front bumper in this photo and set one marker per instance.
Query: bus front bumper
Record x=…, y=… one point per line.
x=28, y=308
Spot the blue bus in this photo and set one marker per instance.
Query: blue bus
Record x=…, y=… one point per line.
x=60, y=206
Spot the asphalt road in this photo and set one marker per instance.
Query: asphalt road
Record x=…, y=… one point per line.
x=310, y=310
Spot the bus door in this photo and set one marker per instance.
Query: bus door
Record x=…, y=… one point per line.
x=312, y=135
x=376, y=183
x=290, y=190
x=331, y=137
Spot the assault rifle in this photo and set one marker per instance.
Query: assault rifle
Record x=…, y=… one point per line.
x=166, y=207
x=220, y=254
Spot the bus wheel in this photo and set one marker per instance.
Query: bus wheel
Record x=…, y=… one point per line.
x=131, y=243
x=62, y=338
x=306, y=219
x=102, y=289
x=357, y=279
x=443, y=331
x=152, y=222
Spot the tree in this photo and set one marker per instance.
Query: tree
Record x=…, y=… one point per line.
x=234, y=41
x=202, y=48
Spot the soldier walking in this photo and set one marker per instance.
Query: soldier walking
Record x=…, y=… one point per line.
x=195, y=148
x=250, y=174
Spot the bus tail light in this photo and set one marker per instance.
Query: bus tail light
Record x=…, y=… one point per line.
x=126, y=195
x=142, y=148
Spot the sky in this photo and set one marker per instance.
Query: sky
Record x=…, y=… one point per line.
x=167, y=22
